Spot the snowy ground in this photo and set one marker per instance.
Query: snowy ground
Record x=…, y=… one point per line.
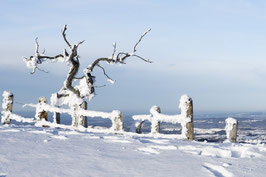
x=26, y=150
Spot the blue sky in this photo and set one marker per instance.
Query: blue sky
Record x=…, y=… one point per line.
x=213, y=51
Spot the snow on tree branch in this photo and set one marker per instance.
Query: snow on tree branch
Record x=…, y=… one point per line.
x=85, y=88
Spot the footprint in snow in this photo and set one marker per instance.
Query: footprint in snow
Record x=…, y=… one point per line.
x=160, y=141
x=154, y=149
x=146, y=141
x=39, y=132
x=218, y=171
x=114, y=139
x=148, y=150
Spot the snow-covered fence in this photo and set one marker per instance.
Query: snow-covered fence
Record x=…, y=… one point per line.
x=185, y=118
x=231, y=129
x=7, y=106
x=115, y=116
x=79, y=114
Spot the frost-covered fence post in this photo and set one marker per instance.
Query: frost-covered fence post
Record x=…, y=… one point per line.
x=77, y=119
x=155, y=125
x=7, y=106
x=74, y=115
x=117, y=121
x=40, y=113
x=186, y=106
x=54, y=102
x=83, y=119
x=138, y=125
x=56, y=117
x=231, y=129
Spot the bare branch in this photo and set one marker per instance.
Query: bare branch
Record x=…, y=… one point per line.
x=66, y=54
x=95, y=63
x=114, y=45
x=100, y=86
x=51, y=58
x=64, y=35
x=146, y=60
x=144, y=34
x=80, y=43
x=105, y=72
x=121, y=56
x=36, y=45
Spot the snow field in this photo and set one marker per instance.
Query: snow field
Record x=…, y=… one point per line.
x=37, y=151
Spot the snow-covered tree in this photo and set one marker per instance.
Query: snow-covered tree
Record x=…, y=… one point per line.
x=71, y=94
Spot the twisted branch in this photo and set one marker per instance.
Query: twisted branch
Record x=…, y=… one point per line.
x=114, y=45
x=121, y=56
x=105, y=72
x=36, y=45
x=142, y=36
x=64, y=36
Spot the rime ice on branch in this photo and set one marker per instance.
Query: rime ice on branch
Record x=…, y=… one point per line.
x=74, y=94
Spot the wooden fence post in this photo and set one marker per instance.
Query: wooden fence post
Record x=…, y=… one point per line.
x=7, y=105
x=186, y=105
x=231, y=129
x=117, y=121
x=40, y=113
x=155, y=125
x=83, y=119
x=56, y=117
x=79, y=120
x=138, y=126
x=74, y=116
